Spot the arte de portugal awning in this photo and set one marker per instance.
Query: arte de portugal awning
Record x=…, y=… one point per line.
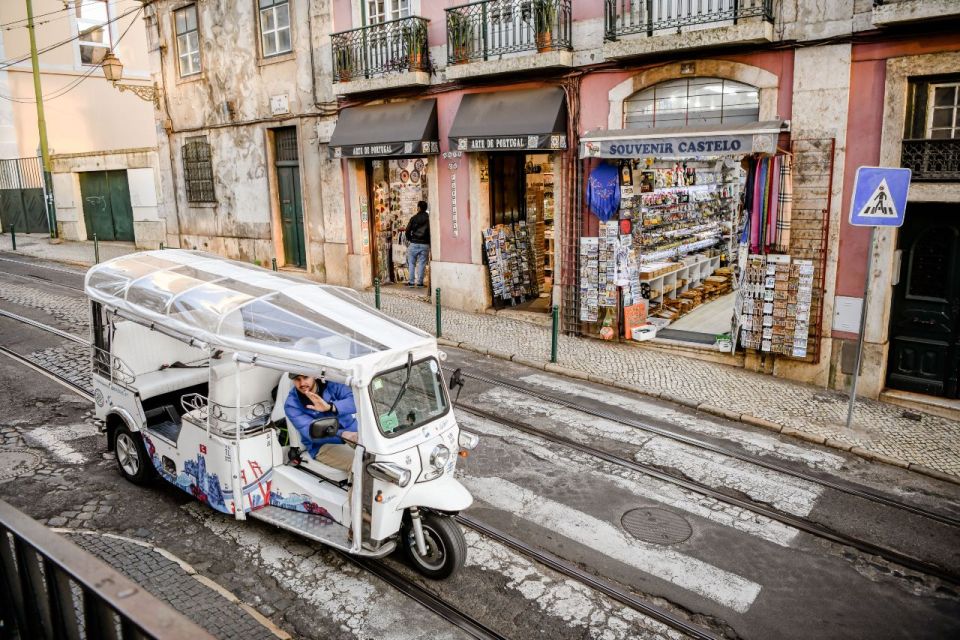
x=684, y=142
x=530, y=119
x=394, y=129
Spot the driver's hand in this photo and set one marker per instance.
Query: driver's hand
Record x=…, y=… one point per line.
x=349, y=436
x=317, y=403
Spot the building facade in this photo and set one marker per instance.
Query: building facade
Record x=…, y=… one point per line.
x=102, y=140
x=646, y=167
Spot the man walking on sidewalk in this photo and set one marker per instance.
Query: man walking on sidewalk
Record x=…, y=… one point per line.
x=418, y=235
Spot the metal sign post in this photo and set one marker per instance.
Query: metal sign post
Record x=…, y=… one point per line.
x=879, y=200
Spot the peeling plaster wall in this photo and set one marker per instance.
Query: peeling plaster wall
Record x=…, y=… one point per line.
x=235, y=103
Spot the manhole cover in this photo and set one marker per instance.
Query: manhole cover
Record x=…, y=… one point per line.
x=658, y=526
x=16, y=462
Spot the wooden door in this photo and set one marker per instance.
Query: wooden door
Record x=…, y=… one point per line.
x=107, y=211
x=291, y=202
x=925, y=319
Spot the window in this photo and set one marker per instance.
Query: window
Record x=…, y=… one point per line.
x=94, y=32
x=275, y=27
x=383, y=10
x=943, y=117
x=692, y=101
x=198, y=170
x=404, y=399
x=188, y=40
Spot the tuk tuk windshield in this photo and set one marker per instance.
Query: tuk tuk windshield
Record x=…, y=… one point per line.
x=403, y=403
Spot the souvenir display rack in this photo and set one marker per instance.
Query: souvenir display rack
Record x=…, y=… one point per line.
x=773, y=304
x=510, y=262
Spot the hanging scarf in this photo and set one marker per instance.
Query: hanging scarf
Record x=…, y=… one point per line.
x=786, y=204
x=773, y=202
x=603, y=191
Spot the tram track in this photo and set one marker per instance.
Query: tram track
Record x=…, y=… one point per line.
x=470, y=625
x=803, y=524
x=855, y=491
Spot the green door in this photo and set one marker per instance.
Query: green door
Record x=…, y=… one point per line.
x=291, y=205
x=107, y=211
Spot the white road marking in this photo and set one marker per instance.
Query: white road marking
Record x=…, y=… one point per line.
x=641, y=485
x=785, y=492
x=723, y=587
x=54, y=440
x=573, y=602
x=757, y=443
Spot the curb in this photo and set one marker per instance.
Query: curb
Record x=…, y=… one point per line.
x=189, y=570
x=720, y=412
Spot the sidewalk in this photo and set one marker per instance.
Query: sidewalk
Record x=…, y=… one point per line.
x=930, y=445
x=37, y=245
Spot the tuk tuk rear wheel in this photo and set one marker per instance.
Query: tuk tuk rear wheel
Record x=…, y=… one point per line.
x=132, y=459
x=446, y=546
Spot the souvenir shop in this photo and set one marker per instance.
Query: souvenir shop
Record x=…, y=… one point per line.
x=515, y=139
x=397, y=144
x=691, y=239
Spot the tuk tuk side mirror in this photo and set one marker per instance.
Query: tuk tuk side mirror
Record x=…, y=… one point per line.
x=324, y=428
x=456, y=379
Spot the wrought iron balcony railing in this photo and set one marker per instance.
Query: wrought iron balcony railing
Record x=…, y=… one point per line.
x=379, y=49
x=932, y=160
x=491, y=28
x=625, y=17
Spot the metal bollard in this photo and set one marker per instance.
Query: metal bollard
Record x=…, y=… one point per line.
x=439, y=318
x=161, y=246
x=555, y=333
x=13, y=236
x=96, y=250
x=376, y=292
x=273, y=264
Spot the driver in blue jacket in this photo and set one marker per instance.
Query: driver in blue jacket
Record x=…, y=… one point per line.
x=311, y=399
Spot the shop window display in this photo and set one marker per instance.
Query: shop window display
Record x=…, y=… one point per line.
x=519, y=246
x=396, y=187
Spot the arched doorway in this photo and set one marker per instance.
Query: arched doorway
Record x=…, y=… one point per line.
x=925, y=320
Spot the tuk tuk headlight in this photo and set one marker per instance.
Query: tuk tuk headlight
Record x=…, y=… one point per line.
x=440, y=456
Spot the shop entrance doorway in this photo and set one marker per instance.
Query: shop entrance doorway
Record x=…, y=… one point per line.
x=519, y=244
x=106, y=205
x=395, y=186
x=925, y=318
x=291, y=203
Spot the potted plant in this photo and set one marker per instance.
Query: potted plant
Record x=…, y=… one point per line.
x=545, y=17
x=415, y=35
x=342, y=64
x=460, y=34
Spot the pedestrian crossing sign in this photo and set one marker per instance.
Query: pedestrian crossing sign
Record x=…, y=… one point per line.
x=879, y=197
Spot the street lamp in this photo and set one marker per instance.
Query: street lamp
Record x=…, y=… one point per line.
x=113, y=71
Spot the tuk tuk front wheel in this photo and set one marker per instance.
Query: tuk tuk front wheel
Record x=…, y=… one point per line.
x=132, y=459
x=446, y=546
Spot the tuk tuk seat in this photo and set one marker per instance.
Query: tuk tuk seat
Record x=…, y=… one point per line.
x=330, y=473
x=150, y=355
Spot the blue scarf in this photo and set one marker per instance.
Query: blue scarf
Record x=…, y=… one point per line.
x=603, y=191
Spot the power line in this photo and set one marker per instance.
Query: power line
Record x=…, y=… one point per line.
x=12, y=62
x=62, y=91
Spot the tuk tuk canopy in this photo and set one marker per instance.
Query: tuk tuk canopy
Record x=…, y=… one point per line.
x=247, y=308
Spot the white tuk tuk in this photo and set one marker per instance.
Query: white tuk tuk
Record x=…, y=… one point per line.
x=190, y=373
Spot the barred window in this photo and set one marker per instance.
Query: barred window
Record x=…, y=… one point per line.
x=275, y=27
x=692, y=101
x=198, y=170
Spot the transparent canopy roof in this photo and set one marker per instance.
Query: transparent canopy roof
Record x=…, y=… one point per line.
x=231, y=302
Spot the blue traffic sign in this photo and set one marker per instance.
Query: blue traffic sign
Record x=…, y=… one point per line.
x=879, y=197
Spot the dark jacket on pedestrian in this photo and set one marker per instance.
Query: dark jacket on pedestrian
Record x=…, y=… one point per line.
x=418, y=229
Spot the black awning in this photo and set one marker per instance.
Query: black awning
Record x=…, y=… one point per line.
x=393, y=129
x=511, y=121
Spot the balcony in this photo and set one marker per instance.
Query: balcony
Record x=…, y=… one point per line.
x=932, y=160
x=888, y=13
x=676, y=25
x=381, y=56
x=505, y=36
